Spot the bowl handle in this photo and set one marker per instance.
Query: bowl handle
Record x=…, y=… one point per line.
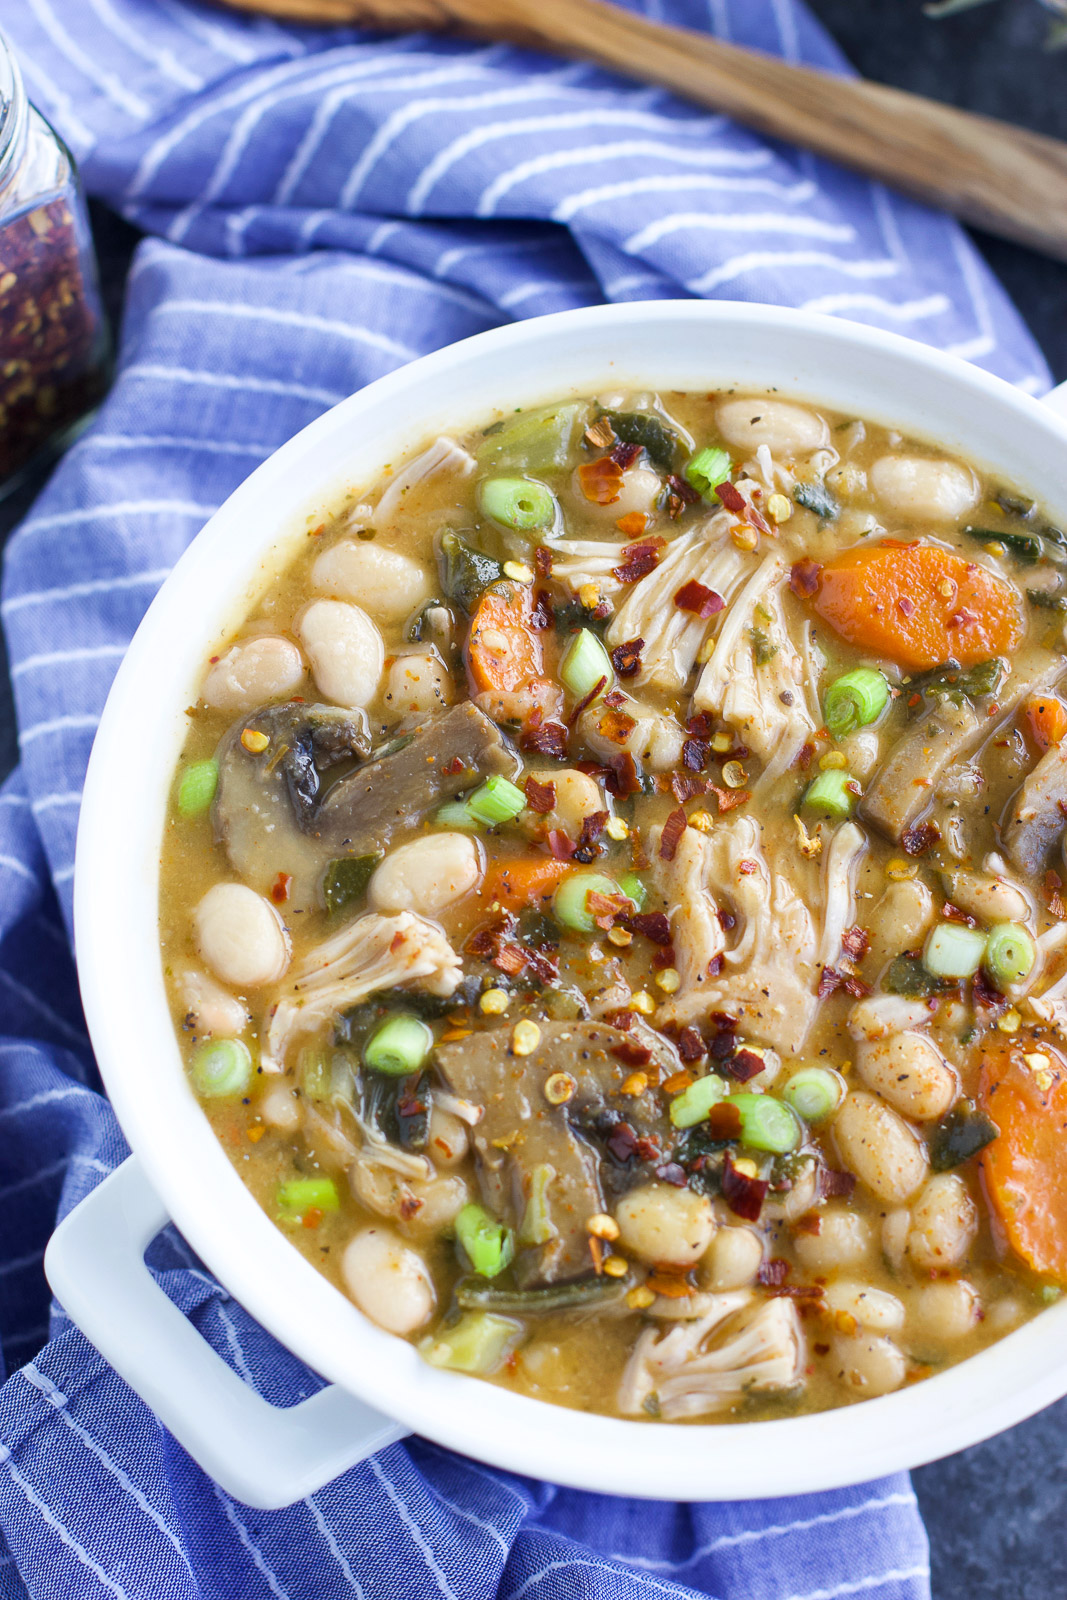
x=265, y=1456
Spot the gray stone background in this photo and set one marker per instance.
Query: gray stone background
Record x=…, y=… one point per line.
x=997, y=1514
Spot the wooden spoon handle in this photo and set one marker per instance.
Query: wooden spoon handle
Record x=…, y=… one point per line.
x=1005, y=179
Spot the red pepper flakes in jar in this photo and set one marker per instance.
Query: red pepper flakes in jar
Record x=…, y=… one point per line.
x=54, y=347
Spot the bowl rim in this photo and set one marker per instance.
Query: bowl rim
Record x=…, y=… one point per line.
x=120, y=971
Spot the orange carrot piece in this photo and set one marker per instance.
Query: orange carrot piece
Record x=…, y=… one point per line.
x=522, y=881
x=1047, y=719
x=503, y=651
x=1024, y=1170
x=919, y=605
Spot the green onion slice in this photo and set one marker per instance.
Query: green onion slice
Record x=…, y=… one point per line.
x=498, y=800
x=399, y=1046
x=953, y=951
x=221, y=1067
x=197, y=787
x=631, y=886
x=693, y=1104
x=708, y=469
x=454, y=814
x=814, y=1093
x=488, y=1245
x=569, y=903
x=537, y=1226
x=766, y=1123
x=478, y=1342
x=830, y=793
x=1010, y=953
x=301, y=1195
x=854, y=701
x=585, y=665
x=520, y=503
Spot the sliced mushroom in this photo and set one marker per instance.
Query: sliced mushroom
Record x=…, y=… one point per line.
x=1038, y=814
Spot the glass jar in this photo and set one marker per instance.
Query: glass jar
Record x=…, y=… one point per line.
x=54, y=345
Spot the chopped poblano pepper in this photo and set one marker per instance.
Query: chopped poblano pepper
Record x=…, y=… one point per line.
x=907, y=976
x=475, y=1296
x=1025, y=547
x=196, y=789
x=854, y=701
x=817, y=498
x=479, y=1342
x=693, y=1104
x=954, y=951
x=400, y=1046
x=586, y=664
x=535, y=441
x=520, y=503
x=466, y=571
x=221, y=1068
x=345, y=880
x=645, y=429
x=960, y=1135
x=487, y=1244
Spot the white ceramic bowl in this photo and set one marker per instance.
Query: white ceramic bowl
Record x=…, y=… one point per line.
x=94, y=1262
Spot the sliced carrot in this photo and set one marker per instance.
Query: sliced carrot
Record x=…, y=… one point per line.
x=919, y=605
x=1047, y=719
x=523, y=881
x=503, y=650
x=1023, y=1087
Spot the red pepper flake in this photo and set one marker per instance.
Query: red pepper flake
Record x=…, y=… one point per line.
x=835, y=1185
x=638, y=560
x=313, y=1215
x=728, y=799
x=855, y=942
x=587, y=700
x=652, y=925
x=600, y=433
x=695, y=753
x=664, y=957
x=624, y=455
x=633, y=524
x=632, y=1053
x=623, y=779
x=821, y=1349
x=744, y=1195
x=691, y=1046
x=454, y=767
x=724, y=1120
x=962, y=618
x=702, y=726
x=279, y=889
x=510, y=959
x=727, y=922
x=396, y=943
x=829, y=983
x=953, y=913
x=810, y=1223
x=684, y=785
x=905, y=606
x=915, y=841
x=773, y=1273
x=550, y=739
x=624, y=1144
x=731, y=497
x=673, y=1174
x=560, y=845
x=601, y=480
x=743, y=1065
x=680, y=493
x=542, y=612
x=983, y=994
x=616, y=725
x=804, y=578
x=802, y=759
x=543, y=965
x=626, y=658
x=673, y=829
x=543, y=561
x=605, y=909
x=592, y=827
x=540, y=797
x=715, y=966
x=623, y=1020
x=699, y=599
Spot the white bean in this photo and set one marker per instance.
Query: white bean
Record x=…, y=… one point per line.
x=656, y=742
x=577, y=797
x=843, y=1240
x=787, y=430
x=383, y=582
x=241, y=936
x=895, y=1226
x=871, y=1308
x=733, y=1259
x=660, y=1223
x=213, y=1009
x=801, y=1197
x=879, y=1147
x=252, y=672
x=909, y=1072
x=418, y=1205
x=988, y=899
x=417, y=683
x=947, y=1309
x=280, y=1108
x=448, y=1139
x=944, y=1222
x=388, y=1281
x=345, y=649
x=427, y=875
x=638, y=491
x=900, y=920
x=862, y=751
x=884, y=1014
x=927, y=490
x=867, y=1363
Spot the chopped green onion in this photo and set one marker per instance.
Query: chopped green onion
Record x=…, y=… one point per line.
x=535, y=441
x=197, y=787
x=301, y=1195
x=345, y=880
x=488, y=1245
x=585, y=665
x=708, y=469
x=569, y=901
x=399, y=1046
x=830, y=792
x=316, y=1072
x=1010, y=953
x=814, y=1093
x=953, y=951
x=454, y=814
x=221, y=1067
x=767, y=1124
x=537, y=1226
x=631, y=886
x=855, y=700
x=478, y=1342
x=498, y=800
x=517, y=503
x=693, y=1104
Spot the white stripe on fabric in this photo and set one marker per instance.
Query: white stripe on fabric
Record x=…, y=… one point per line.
x=33, y=1003
x=71, y=723
x=119, y=96
x=469, y=1516
x=52, y=802
x=776, y=1530
x=333, y=1547
x=527, y=291
x=169, y=441
x=864, y=1585
x=119, y=508
x=417, y=1536
x=240, y=1360
x=56, y=658
x=63, y=1534
x=906, y=311
x=253, y=1549
x=291, y=319
x=228, y=380
x=164, y=61
x=48, y=1097
x=669, y=182
x=79, y=591
x=20, y=1263
x=19, y=868
x=619, y=150
x=571, y=1562
x=55, y=97
x=227, y=42
x=553, y=122
x=779, y=260
x=735, y=222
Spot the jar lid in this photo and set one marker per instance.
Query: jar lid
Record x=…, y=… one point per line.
x=14, y=113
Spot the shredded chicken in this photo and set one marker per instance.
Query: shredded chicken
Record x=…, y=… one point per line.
x=741, y=1346
x=368, y=954
x=755, y=679
x=767, y=979
x=847, y=849
x=444, y=455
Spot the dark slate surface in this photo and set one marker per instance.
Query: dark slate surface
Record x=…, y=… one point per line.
x=997, y=1514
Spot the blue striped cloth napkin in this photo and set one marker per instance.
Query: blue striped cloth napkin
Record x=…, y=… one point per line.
x=321, y=208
